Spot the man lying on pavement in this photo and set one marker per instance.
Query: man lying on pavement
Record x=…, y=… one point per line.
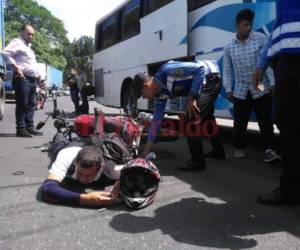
x=77, y=169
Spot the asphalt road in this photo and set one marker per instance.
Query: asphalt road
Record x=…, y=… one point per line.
x=215, y=208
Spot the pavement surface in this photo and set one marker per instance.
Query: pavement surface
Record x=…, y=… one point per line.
x=211, y=209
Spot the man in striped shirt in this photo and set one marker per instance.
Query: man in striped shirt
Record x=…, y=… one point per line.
x=200, y=81
x=240, y=58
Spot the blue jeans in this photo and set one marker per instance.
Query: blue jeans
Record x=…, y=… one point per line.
x=25, y=93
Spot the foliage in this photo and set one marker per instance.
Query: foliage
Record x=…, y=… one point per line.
x=80, y=55
x=50, y=42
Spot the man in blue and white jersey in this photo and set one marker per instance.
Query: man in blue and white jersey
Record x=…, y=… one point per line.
x=283, y=51
x=200, y=82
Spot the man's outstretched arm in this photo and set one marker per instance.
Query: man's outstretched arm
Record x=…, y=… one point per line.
x=54, y=193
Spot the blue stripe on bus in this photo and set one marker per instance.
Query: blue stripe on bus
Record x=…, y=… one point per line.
x=264, y=16
x=218, y=49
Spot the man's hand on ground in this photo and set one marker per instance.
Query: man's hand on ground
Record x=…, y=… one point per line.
x=97, y=199
x=147, y=149
x=114, y=193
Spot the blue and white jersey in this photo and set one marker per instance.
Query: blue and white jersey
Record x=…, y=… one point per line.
x=285, y=37
x=183, y=78
x=178, y=79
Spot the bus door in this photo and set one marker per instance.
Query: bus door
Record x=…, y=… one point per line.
x=163, y=29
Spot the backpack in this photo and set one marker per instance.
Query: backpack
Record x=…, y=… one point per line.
x=113, y=147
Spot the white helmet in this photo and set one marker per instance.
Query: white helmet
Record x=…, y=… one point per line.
x=139, y=183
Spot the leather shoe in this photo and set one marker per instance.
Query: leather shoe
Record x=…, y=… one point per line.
x=33, y=131
x=215, y=155
x=278, y=197
x=190, y=165
x=23, y=133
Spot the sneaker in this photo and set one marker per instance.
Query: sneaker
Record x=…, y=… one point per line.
x=23, y=133
x=33, y=131
x=239, y=153
x=216, y=155
x=190, y=165
x=271, y=156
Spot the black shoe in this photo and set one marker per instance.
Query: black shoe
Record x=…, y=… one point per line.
x=277, y=197
x=23, y=133
x=33, y=131
x=192, y=166
x=216, y=155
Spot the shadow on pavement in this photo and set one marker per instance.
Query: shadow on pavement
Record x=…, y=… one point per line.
x=234, y=183
x=196, y=222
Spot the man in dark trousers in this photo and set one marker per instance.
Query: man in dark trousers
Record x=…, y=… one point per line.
x=240, y=58
x=74, y=91
x=201, y=82
x=283, y=53
x=19, y=54
x=81, y=82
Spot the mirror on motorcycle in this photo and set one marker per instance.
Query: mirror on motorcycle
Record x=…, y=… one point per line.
x=40, y=125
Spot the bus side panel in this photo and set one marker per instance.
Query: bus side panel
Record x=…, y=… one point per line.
x=162, y=37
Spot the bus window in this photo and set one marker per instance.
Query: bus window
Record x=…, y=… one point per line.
x=110, y=31
x=152, y=5
x=130, y=20
x=98, y=38
x=194, y=4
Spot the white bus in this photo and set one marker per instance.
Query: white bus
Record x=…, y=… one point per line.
x=141, y=35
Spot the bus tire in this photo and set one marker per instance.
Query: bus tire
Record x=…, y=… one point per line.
x=2, y=99
x=129, y=102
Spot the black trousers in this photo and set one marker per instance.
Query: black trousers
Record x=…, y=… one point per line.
x=25, y=93
x=287, y=91
x=75, y=98
x=207, y=125
x=241, y=112
x=85, y=102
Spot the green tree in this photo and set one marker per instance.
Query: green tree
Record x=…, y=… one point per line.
x=50, y=42
x=80, y=55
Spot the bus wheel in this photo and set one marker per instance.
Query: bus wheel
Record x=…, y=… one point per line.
x=129, y=103
x=2, y=99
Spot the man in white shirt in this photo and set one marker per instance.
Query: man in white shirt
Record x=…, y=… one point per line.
x=76, y=169
x=19, y=54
